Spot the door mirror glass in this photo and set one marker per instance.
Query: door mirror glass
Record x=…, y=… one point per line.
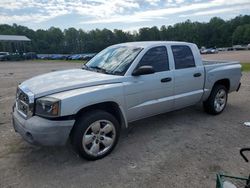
x=143, y=70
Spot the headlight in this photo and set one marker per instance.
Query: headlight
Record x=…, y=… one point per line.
x=48, y=107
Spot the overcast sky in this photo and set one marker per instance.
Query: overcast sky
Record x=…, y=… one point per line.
x=115, y=14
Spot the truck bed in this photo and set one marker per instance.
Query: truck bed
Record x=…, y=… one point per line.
x=219, y=70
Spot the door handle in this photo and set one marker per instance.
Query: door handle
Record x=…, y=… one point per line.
x=168, y=79
x=197, y=74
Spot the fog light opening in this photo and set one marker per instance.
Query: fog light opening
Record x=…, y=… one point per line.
x=29, y=136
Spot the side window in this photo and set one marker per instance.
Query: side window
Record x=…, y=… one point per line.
x=183, y=57
x=156, y=57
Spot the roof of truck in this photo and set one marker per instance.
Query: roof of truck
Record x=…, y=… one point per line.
x=145, y=44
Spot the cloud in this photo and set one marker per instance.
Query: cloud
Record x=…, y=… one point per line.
x=115, y=11
x=42, y=12
x=155, y=14
x=55, y=8
x=153, y=2
x=217, y=11
x=105, y=9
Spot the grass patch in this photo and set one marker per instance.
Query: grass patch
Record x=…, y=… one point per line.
x=245, y=67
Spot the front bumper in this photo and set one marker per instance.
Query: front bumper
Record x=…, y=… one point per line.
x=40, y=131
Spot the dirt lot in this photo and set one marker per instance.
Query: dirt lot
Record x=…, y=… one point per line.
x=242, y=56
x=185, y=148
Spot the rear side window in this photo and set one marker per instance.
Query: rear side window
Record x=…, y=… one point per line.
x=183, y=57
x=156, y=57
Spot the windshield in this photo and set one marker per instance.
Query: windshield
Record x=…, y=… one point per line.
x=113, y=60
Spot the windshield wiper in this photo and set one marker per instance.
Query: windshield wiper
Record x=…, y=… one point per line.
x=98, y=69
x=85, y=67
x=95, y=68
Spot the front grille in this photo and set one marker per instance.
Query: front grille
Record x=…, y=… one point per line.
x=22, y=96
x=22, y=102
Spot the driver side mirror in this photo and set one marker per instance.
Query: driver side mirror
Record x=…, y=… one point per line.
x=143, y=70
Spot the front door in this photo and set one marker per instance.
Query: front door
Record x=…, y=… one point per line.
x=148, y=95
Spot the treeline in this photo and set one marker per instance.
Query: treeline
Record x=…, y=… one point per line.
x=216, y=33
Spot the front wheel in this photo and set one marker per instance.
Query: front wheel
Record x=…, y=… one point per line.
x=95, y=134
x=217, y=100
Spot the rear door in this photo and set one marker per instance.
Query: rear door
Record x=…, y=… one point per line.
x=151, y=94
x=188, y=77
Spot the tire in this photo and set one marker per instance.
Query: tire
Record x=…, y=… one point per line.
x=217, y=101
x=95, y=134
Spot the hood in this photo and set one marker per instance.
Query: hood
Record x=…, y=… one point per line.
x=59, y=81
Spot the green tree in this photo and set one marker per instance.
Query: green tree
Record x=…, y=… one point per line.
x=217, y=32
x=55, y=37
x=241, y=35
x=71, y=42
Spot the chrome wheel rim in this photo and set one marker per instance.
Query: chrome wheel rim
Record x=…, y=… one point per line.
x=220, y=100
x=99, y=137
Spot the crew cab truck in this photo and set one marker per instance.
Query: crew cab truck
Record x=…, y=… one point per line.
x=121, y=84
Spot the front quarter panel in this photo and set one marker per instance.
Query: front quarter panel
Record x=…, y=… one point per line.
x=74, y=100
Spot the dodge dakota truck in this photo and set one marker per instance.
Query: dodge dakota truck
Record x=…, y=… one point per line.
x=121, y=84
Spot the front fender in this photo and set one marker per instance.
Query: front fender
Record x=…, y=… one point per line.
x=74, y=100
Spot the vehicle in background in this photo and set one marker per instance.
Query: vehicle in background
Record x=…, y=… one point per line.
x=15, y=56
x=208, y=50
x=42, y=56
x=222, y=49
x=73, y=57
x=248, y=46
x=203, y=50
x=76, y=57
x=66, y=56
x=212, y=51
x=239, y=47
x=52, y=56
x=30, y=55
x=121, y=84
x=57, y=57
x=88, y=57
x=4, y=56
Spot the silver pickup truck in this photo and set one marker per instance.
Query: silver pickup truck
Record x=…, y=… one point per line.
x=121, y=84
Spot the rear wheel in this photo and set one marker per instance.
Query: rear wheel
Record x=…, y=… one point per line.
x=95, y=134
x=217, y=100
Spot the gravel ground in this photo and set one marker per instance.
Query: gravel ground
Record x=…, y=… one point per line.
x=242, y=56
x=185, y=148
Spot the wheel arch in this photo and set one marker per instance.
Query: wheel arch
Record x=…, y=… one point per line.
x=225, y=82
x=207, y=92
x=109, y=106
